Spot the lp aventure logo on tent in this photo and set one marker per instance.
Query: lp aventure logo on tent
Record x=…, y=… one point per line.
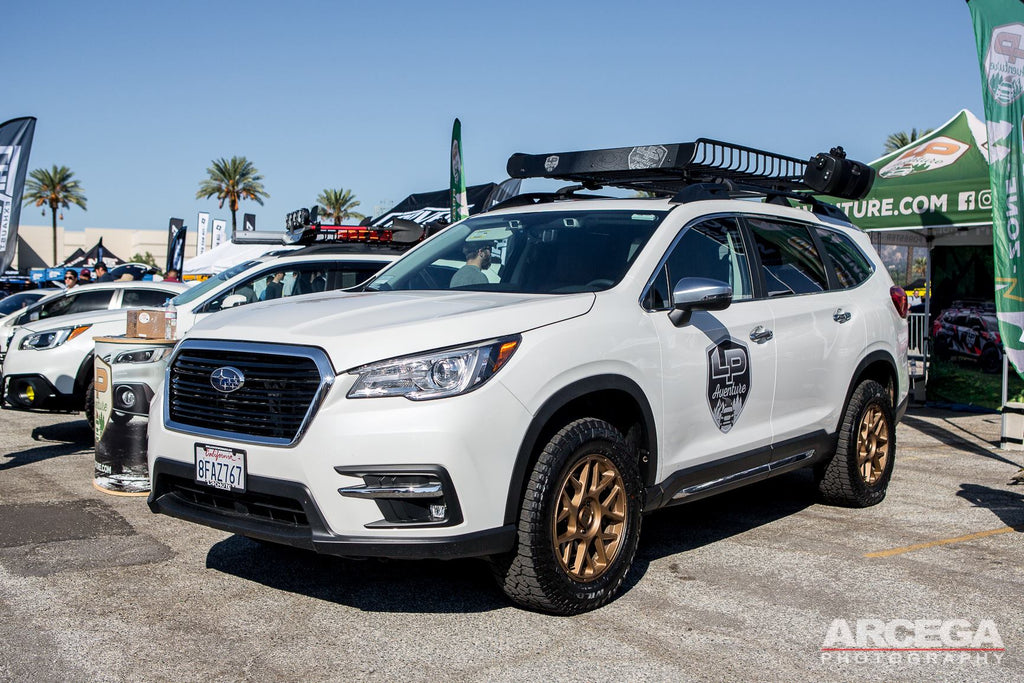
x=936, y=153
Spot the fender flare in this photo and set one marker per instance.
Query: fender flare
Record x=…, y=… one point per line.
x=871, y=359
x=557, y=401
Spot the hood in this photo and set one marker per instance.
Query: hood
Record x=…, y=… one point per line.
x=87, y=318
x=360, y=328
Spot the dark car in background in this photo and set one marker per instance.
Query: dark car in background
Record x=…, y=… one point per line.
x=971, y=330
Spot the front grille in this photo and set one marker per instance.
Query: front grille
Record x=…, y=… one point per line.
x=281, y=390
x=253, y=505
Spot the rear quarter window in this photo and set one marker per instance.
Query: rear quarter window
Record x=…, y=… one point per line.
x=145, y=298
x=849, y=263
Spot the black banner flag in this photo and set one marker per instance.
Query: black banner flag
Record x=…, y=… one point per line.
x=15, y=144
x=176, y=245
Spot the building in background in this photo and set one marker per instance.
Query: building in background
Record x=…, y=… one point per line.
x=35, y=244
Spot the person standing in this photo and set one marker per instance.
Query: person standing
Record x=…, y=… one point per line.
x=102, y=274
x=274, y=287
x=70, y=278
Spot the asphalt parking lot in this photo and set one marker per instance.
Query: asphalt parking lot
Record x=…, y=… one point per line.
x=747, y=586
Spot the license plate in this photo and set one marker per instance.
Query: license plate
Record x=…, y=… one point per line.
x=220, y=467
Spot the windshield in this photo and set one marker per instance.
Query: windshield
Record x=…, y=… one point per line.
x=193, y=293
x=17, y=301
x=551, y=252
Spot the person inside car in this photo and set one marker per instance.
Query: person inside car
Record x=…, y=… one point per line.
x=478, y=259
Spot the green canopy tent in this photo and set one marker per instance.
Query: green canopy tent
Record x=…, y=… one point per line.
x=935, y=190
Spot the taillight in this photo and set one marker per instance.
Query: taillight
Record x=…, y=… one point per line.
x=899, y=300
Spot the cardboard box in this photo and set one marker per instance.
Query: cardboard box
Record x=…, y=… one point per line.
x=147, y=323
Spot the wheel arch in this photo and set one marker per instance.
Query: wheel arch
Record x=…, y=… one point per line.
x=86, y=372
x=879, y=366
x=614, y=398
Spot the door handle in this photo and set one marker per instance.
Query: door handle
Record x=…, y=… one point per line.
x=841, y=316
x=760, y=335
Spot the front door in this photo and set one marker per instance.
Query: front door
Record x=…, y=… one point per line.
x=718, y=370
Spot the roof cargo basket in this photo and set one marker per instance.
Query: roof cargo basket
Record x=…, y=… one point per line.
x=669, y=169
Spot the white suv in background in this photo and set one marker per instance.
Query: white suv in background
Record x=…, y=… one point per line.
x=49, y=358
x=632, y=354
x=99, y=296
x=50, y=363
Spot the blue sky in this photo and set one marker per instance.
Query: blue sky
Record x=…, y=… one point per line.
x=137, y=98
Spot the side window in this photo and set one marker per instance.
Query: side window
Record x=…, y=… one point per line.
x=146, y=298
x=91, y=301
x=849, y=263
x=710, y=249
x=343, y=275
x=789, y=260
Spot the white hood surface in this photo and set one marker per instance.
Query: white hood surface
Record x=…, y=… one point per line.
x=348, y=326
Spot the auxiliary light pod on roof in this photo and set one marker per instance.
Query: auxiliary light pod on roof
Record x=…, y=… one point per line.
x=303, y=227
x=669, y=169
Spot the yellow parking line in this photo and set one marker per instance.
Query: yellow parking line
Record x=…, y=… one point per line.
x=945, y=541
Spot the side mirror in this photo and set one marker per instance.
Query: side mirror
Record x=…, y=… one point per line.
x=233, y=300
x=698, y=294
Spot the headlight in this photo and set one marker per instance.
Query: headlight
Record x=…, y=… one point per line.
x=142, y=356
x=436, y=374
x=51, y=338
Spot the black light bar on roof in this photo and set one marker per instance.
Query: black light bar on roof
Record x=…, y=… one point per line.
x=668, y=169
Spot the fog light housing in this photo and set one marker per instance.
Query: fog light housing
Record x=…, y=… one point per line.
x=126, y=397
x=406, y=497
x=27, y=392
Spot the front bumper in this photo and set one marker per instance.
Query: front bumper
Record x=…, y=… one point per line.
x=285, y=512
x=369, y=477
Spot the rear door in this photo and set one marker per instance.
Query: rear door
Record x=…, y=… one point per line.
x=819, y=334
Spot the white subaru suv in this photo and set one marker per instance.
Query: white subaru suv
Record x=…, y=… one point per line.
x=632, y=354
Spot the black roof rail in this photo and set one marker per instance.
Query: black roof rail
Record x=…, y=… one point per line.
x=669, y=169
x=729, y=190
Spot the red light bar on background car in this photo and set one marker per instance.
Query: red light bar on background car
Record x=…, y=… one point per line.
x=347, y=233
x=303, y=227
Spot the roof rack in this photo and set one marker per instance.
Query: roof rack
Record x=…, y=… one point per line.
x=675, y=169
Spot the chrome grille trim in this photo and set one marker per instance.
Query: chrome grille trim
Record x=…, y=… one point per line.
x=253, y=414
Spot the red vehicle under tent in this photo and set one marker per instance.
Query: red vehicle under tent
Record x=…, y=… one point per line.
x=969, y=329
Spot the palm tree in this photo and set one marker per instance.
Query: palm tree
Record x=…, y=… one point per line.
x=338, y=205
x=902, y=139
x=57, y=189
x=233, y=180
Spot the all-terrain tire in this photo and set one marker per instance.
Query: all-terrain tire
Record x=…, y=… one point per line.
x=579, y=522
x=90, y=406
x=859, y=472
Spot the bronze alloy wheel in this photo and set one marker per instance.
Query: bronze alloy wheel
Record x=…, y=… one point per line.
x=872, y=444
x=590, y=517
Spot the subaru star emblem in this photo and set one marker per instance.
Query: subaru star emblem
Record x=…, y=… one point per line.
x=227, y=379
